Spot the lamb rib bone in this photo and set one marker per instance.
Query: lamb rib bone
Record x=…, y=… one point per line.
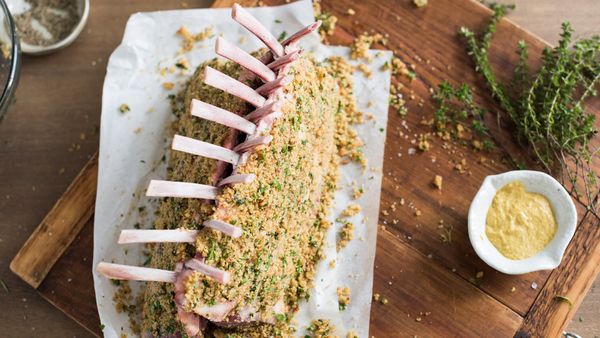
x=269, y=87
x=157, y=236
x=159, y=188
x=217, y=274
x=285, y=60
x=137, y=273
x=239, y=56
x=205, y=149
x=253, y=142
x=129, y=236
x=264, y=110
x=301, y=33
x=215, y=78
x=128, y=272
x=219, y=115
x=224, y=227
x=237, y=178
x=255, y=27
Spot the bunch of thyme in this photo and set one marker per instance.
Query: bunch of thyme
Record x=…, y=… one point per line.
x=547, y=106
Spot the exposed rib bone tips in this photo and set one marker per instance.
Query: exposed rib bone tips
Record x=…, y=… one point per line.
x=215, y=78
x=224, y=227
x=157, y=236
x=255, y=27
x=235, y=179
x=239, y=56
x=128, y=272
x=158, y=188
x=284, y=60
x=269, y=87
x=301, y=33
x=221, y=116
x=212, y=272
x=205, y=149
x=255, y=142
x=264, y=110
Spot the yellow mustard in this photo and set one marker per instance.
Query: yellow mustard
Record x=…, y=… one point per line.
x=520, y=223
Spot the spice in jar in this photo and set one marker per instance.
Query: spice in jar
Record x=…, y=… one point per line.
x=44, y=22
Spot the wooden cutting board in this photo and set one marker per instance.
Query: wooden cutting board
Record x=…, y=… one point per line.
x=433, y=288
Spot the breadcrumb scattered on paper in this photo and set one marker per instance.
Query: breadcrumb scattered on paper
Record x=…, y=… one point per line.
x=124, y=108
x=320, y=328
x=346, y=235
x=343, y=297
x=189, y=39
x=357, y=192
x=351, y=210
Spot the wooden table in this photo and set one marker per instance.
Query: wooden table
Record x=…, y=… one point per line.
x=51, y=131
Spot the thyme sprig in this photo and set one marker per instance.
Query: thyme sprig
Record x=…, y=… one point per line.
x=547, y=107
x=456, y=107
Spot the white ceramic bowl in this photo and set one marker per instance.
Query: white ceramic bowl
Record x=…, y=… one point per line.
x=537, y=182
x=83, y=9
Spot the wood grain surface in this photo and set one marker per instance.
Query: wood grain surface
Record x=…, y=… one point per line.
x=52, y=237
x=50, y=132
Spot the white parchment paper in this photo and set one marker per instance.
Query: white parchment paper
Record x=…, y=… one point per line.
x=132, y=145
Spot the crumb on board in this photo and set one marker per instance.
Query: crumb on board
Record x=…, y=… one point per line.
x=350, y=11
x=361, y=45
x=399, y=68
x=437, y=182
x=351, y=210
x=376, y=297
x=446, y=234
x=479, y=274
x=424, y=144
x=343, y=294
x=124, y=108
x=420, y=3
x=328, y=21
x=397, y=99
